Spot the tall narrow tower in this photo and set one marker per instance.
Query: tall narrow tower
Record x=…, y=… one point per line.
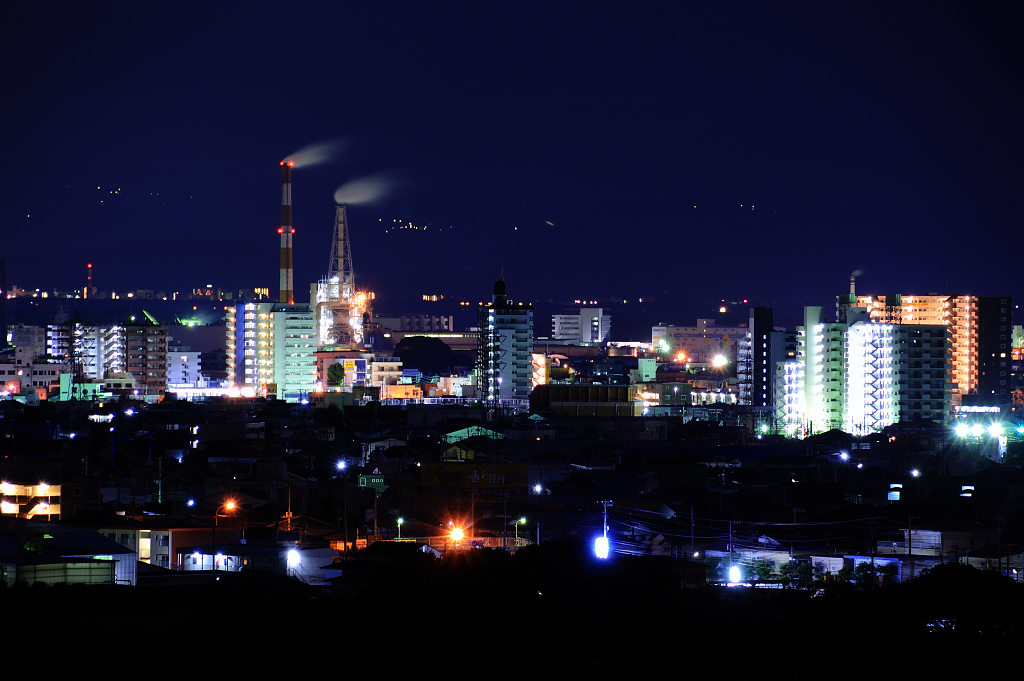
x=341, y=256
x=286, y=230
x=342, y=312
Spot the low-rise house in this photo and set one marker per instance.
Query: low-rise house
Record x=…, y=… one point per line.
x=34, y=551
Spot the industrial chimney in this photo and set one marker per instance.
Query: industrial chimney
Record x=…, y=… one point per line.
x=286, y=230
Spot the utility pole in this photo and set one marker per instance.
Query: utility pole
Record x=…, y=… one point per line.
x=472, y=513
x=730, y=543
x=691, y=529
x=910, y=536
x=504, y=518
x=605, y=503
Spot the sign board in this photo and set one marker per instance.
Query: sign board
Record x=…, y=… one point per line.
x=375, y=481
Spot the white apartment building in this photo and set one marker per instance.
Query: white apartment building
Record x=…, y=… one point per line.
x=590, y=325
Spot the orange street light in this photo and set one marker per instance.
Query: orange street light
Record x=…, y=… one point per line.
x=228, y=505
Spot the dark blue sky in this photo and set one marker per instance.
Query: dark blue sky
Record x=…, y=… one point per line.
x=684, y=151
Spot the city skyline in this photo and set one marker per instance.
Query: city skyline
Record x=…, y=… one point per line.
x=682, y=153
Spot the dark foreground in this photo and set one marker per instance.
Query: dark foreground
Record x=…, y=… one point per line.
x=549, y=611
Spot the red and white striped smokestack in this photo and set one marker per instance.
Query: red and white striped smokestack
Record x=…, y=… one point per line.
x=286, y=230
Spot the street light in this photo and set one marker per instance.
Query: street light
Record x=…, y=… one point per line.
x=735, y=574
x=341, y=466
x=400, y=521
x=520, y=521
x=601, y=548
x=228, y=505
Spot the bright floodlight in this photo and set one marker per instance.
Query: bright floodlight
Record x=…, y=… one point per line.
x=719, y=361
x=457, y=533
x=995, y=430
x=190, y=503
x=735, y=575
x=962, y=430
x=538, y=488
x=293, y=558
x=916, y=473
x=977, y=430
x=129, y=412
x=845, y=456
x=341, y=465
x=601, y=547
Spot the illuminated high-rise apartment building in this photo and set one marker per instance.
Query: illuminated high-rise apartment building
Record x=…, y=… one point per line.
x=861, y=376
x=758, y=355
x=270, y=349
x=995, y=348
x=505, y=348
x=94, y=351
x=958, y=313
x=144, y=343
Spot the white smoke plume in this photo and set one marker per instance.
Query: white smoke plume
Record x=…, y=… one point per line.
x=368, y=189
x=315, y=154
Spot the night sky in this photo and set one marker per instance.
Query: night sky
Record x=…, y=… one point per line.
x=683, y=151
